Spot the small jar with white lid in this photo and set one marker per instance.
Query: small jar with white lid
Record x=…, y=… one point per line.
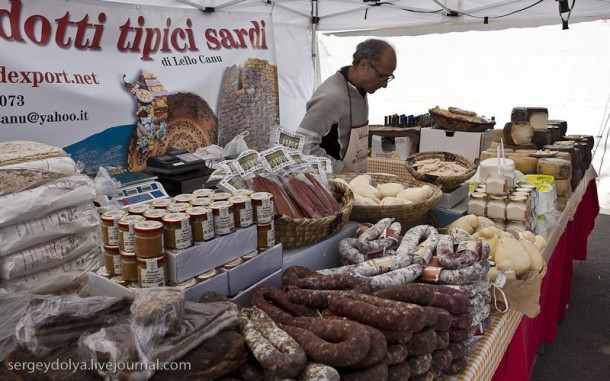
x=496, y=207
x=177, y=231
x=110, y=226
x=517, y=208
x=477, y=204
x=162, y=203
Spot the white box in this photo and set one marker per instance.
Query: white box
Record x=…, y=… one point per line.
x=450, y=199
x=255, y=269
x=467, y=144
x=102, y=286
x=208, y=255
x=401, y=148
x=273, y=280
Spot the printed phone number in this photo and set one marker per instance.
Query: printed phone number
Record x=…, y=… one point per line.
x=37, y=118
x=12, y=100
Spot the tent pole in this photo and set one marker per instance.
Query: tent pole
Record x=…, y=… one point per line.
x=315, y=19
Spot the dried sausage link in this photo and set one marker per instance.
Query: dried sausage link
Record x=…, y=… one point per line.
x=422, y=343
x=416, y=293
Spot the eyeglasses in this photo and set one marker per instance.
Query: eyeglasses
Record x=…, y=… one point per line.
x=382, y=77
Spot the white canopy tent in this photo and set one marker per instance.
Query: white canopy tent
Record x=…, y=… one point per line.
x=525, y=58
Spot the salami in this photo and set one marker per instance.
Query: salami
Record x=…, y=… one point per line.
x=396, y=337
x=305, y=278
x=399, y=372
x=457, y=350
x=442, y=359
x=416, y=293
x=310, y=298
x=371, y=267
x=459, y=335
x=454, y=303
x=373, y=232
x=442, y=340
x=378, y=348
x=275, y=303
x=419, y=364
x=396, y=277
x=396, y=354
x=443, y=319
x=422, y=343
x=464, y=275
x=410, y=244
x=317, y=371
x=462, y=321
x=430, y=316
x=456, y=367
x=457, y=249
x=378, y=372
x=331, y=342
x=274, y=350
x=426, y=376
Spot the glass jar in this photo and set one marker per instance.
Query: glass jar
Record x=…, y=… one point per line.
x=220, y=196
x=203, y=192
x=138, y=209
x=202, y=223
x=243, y=192
x=496, y=184
x=262, y=205
x=152, y=272
x=184, y=197
x=110, y=226
x=112, y=255
x=126, y=232
x=517, y=208
x=178, y=207
x=265, y=235
x=224, y=220
x=162, y=203
x=155, y=214
x=477, y=204
x=242, y=211
x=129, y=267
x=148, y=238
x=496, y=207
x=201, y=201
x=177, y=231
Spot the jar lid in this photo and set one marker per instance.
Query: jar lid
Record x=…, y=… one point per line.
x=520, y=194
x=112, y=249
x=234, y=263
x=478, y=195
x=133, y=285
x=184, y=197
x=139, y=209
x=565, y=142
x=198, y=211
x=523, y=189
x=261, y=196
x=250, y=255
x=243, y=192
x=238, y=199
x=175, y=218
x=207, y=274
x=217, y=205
x=201, y=201
x=130, y=220
x=148, y=226
x=102, y=271
x=498, y=198
x=113, y=215
x=127, y=255
x=143, y=261
x=178, y=207
x=203, y=192
x=518, y=198
x=155, y=213
x=119, y=279
x=220, y=196
x=184, y=285
x=162, y=203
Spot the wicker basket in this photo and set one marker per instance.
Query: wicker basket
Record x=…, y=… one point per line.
x=401, y=213
x=447, y=183
x=297, y=232
x=458, y=124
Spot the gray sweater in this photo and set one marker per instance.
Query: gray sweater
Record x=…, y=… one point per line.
x=330, y=105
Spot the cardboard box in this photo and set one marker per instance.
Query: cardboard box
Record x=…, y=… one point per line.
x=393, y=143
x=255, y=269
x=440, y=217
x=467, y=144
x=102, y=286
x=451, y=199
x=273, y=280
x=195, y=260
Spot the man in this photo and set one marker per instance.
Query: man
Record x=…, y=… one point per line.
x=336, y=120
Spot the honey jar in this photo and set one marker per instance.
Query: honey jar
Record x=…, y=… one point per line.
x=152, y=272
x=126, y=232
x=206, y=275
x=242, y=211
x=262, y=205
x=203, y=192
x=243, y=192
x=202, y=223
x=178, y=207
x=265, y=235
x=177, y=231
x=184, y=197
x=155, y=214
x=148, y=239
x=201, y=201
x=112, y=255
x=219, y=196
x=224, y=220
x=110, y=226
x=138, y=209
x=162, y=203
x=129, y=267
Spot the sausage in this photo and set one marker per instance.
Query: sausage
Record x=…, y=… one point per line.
x=466, y=253
x=410, y=242
x=462, y=321
x=458, y=335
x=331, y=342
x=422, y=343
x=396, y=354
x=457, y=350
x=426, y=376
x=456, y=367
x=399, y=372
x=419, y=364
x=317, y=371
x=272, y=347
x=397, y=277
x=323, y=194
x=464, y=275
x=374, y=232
x=305, y=278
x=416, y=293
x=371, y=267
x=310, y=298
x=455, y=304
x=396, y=337
x=481, y=315
x=442, y=340
x=275, y=303
x=430, y=316
x=443, y=319
x=386, y=237
x=442, y=359
x=378, y=372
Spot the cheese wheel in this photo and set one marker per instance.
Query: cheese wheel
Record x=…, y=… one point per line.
x=538, y=118
x=562, y=187
x=562, y=124
x=564, y=155
x=525, y=164
x=518, y=133
x=542, y=138
x=558, y=168
x=528, y=146
x=518, y=114
x=497, y=135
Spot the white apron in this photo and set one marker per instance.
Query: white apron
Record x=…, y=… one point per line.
x=358, y=144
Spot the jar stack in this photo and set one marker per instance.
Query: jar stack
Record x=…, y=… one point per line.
x=262, y=204
x=148, y=262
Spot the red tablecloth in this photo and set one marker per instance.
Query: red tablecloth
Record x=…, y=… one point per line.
x=518, y=361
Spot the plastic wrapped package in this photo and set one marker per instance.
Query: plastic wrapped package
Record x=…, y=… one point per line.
x=157, y=312
x=48, y=255
x=30, y=174
x=12, y=307
x=53, y=321
x=42, y=200
x=19, y=151
x=44, y=229
x=113, y=345
x=60, y=277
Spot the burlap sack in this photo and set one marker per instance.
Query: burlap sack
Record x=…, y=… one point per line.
x=523, y=294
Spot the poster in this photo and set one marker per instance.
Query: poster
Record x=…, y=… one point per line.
x=113, y=84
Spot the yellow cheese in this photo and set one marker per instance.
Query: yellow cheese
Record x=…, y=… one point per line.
x=558, y=168
x=539, y=180
x=562, y=187
x=497, y=135
x=518, y=133
x=524, y=163
x=538, y=118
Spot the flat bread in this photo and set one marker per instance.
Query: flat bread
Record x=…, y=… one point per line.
x=20, y=151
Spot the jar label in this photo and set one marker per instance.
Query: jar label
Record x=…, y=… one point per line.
x=116, y=264
x=224, y=223
x=264, y=212
x=113, y=235
x=128, y=240
x=152, y=277
x=208, y=229
x=245, y=216
x=183, y=237
x=271, y=236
